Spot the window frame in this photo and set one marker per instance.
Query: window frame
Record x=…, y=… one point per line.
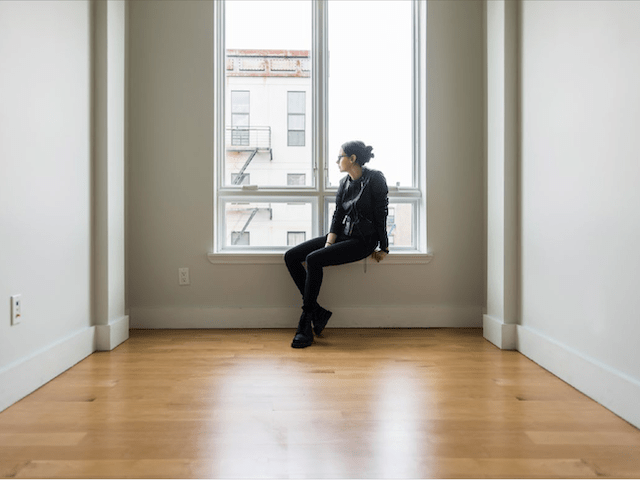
x=320, y=191
x=285, y=198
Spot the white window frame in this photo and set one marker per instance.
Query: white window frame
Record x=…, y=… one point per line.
x=321, y=193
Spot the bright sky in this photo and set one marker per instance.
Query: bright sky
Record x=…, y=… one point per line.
x=370, y=68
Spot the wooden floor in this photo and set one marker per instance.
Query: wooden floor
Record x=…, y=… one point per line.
x=357, y=404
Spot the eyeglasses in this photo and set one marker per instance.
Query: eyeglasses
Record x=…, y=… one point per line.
x=340, y=156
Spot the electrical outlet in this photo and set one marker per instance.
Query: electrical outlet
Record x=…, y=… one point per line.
x=16, y=309
x=183, y=276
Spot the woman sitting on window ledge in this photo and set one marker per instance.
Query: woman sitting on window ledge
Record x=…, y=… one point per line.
x=358, y=227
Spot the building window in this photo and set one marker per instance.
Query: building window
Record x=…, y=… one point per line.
x=240, y=179
x=240, y=238
x=240, y=118
x=391, y=217
x=296, y=238
x=295, y=118
x=294, y=179
x=247, y=65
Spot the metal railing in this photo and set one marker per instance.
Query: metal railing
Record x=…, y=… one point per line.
x=248, y=138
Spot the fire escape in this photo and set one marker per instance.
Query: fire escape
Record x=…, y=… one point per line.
x=252, y=140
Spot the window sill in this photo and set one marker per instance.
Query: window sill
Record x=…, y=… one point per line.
x=266, y=258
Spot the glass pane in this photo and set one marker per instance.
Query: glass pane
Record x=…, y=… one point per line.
x=295, y=238
x=267, y=223
x=370, y=84
x=243, y=179
x=296, y=139
x=268, y=57
x=399, y=226
x=240, y=120
x=240, y=137
x=239, y=102
x=296, y=122
x=296, y=102
x=240, y=238
x=296, y=179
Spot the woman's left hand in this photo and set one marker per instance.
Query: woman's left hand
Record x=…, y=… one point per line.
x=379, y=255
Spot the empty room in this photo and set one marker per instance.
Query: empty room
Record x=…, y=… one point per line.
x=319, y=239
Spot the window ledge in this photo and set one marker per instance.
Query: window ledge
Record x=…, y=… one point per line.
x=263, y=258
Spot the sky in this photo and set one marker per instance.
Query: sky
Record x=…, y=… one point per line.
x=369, y=72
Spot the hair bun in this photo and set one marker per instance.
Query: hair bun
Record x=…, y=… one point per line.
x=360, y=150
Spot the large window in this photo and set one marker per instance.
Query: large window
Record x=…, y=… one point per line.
x=309, y=88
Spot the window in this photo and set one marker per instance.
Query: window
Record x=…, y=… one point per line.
x=240, y=178
x=296, y=238
x=295, y=118
x=391, y=217
x=283, y=69
x=239, y=118
x=296, y=179
x=240, y=238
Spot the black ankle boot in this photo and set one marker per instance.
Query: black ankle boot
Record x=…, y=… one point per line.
x=304, y=334
x=320, y=319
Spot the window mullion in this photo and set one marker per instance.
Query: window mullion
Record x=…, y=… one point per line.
x=319, y=70
x=219, y=118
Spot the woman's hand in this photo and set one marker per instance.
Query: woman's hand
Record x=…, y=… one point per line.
x=331, y=239
x=379, y=255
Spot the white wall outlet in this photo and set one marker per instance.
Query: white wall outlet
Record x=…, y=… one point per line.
x=16, y=309
x=183, y=276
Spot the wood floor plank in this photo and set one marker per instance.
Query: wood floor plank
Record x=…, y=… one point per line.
x=39, y=439
x=391, y=403
x=584, y=438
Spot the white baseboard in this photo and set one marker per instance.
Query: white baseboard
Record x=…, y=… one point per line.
x=282, y=317
x=502, y=335
x=609, y=387
x=19, y=379
x=110, y=336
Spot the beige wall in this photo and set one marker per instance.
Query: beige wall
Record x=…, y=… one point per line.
x=170, y=186
x=61, y=192
x=565, y=73
x=45, y=172
x=45, y=189
x=580, y=178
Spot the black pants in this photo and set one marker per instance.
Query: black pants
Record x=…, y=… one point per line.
x=316, y=255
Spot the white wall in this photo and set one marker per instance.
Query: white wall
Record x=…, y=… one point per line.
x=171, y=189
x=45, y=187
x=580, y=313
x=109, y=24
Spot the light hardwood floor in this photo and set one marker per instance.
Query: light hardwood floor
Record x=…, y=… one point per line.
x=357, y=404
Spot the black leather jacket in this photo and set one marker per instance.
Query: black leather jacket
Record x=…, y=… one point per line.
x=363, y=201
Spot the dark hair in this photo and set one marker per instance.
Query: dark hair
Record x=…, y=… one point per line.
x=360, y=150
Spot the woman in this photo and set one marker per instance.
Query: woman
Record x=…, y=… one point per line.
x=359, y=225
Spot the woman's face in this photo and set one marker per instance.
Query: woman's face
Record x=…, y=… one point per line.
x=344, y=161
